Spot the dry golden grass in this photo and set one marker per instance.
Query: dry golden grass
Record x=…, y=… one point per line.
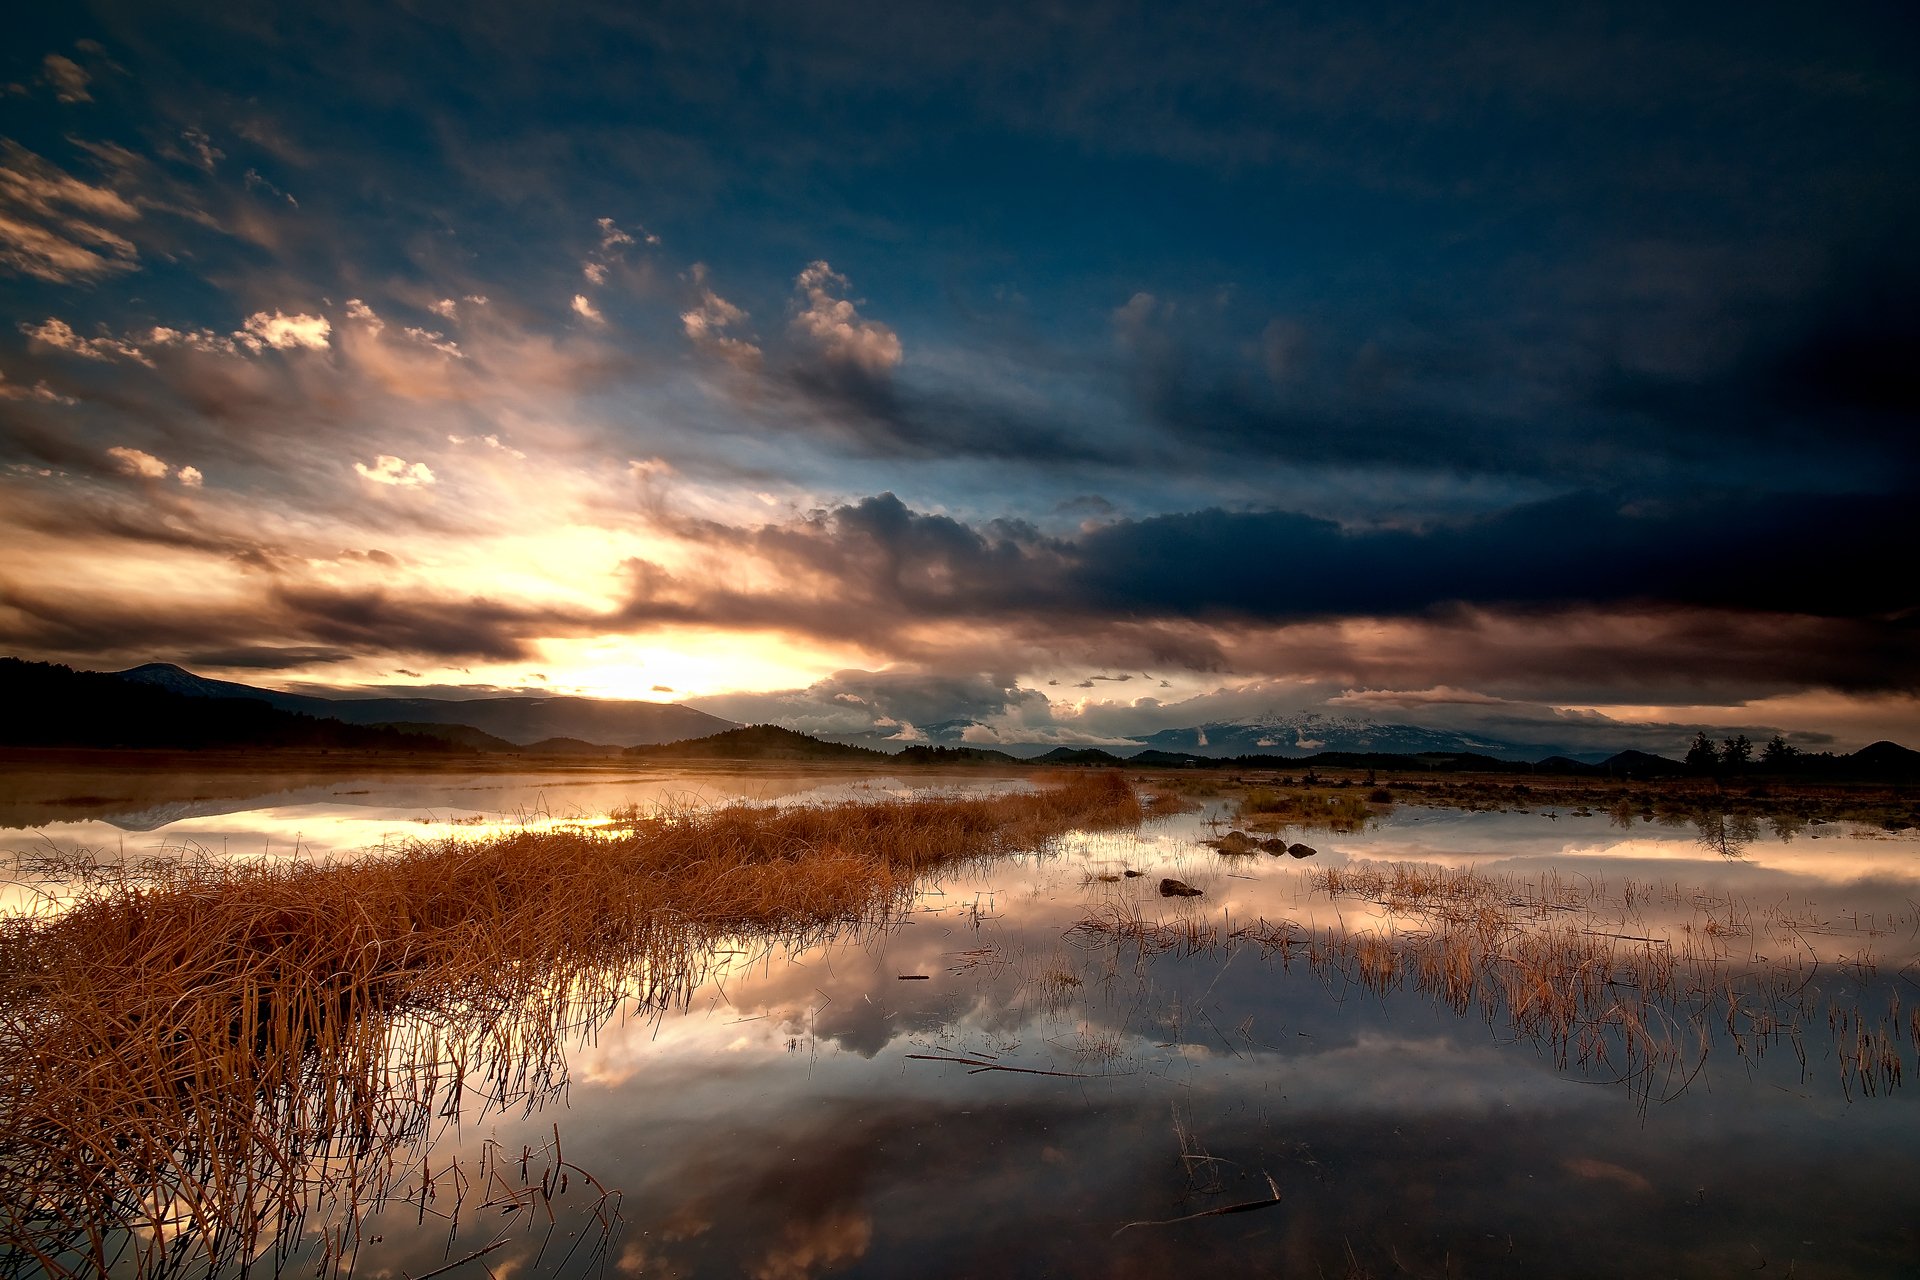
x=1308, y=808
x=195, y=1055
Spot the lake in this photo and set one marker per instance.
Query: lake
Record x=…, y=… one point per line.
x=1046, y=1067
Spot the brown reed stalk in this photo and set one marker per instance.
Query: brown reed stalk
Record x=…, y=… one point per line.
x=195, y=1055
x=1536, y=958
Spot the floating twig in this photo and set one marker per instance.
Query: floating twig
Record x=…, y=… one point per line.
x=1245, y=1207
x=979, y=1066
x=460, y=1262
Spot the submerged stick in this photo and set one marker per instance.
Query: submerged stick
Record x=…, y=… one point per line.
x=979, y=1066
x=460, y=1262
x=1245, y=1207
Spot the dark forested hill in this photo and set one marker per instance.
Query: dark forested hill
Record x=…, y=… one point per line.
x=756, y=742
x=45, y=705
x=519, y=720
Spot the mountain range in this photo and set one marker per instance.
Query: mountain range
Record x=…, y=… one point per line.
x=1308, y=733
x=1273, y=734
x=519, y=721
x=162, y=705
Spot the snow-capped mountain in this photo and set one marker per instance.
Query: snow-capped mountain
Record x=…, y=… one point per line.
x=1307, y=732
x=1301, y=733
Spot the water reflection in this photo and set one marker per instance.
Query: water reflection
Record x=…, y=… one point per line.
x=773, y=1120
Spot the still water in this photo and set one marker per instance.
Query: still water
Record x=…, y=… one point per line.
x=984, y=1087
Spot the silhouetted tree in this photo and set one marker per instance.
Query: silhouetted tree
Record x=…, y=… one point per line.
x=1701, y=757
x=1736, y=753
x=1778, y=753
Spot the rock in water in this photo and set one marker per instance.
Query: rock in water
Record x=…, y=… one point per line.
x=1171, y=888
x=1302, y=850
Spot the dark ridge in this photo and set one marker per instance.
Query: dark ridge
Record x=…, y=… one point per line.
x=1154, y=758
x=567, y=747
x=519, y=719
x=1640, y=764
x=955, y=755
x=1079, y=755
x=1884, y=760
x=460, y=734
x=755, y=742
x=55, y=706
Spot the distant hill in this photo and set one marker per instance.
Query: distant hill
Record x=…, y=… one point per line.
x=520, y=721
x=955, y=756
x=1153, y=758
x=55, y=706
x=459, y=734
x=755, y=742
x=1078, y=755
x=568, y=747
x=1295, y=735
x=1640, y=764
x=1877, y=762
x=1302, y=734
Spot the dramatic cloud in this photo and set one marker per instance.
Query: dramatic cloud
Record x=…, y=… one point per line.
x=137, y=462
x=58, y=335
x=38, y=391
x=54, y=226
x=387, y=469
x=1523, y=370
x=708, y=321
x=201, y=150
x=284, y=332
x=68, y=78
x=835, y=325
x=1783, y=552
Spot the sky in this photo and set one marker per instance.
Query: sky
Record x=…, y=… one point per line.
x=1076, y=371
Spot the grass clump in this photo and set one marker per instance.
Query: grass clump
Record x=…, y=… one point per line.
x=1307, y=808
x=195, y=1054
x=1576, y=968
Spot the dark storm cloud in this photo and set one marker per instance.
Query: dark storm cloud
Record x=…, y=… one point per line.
x=1583, y=593
x=854, y=701
x=887, y=417
x=1593, y=328
x=1780, y=552
x=270, y=657
x=379, y=622
x=853, y=571
x=1662, y=654
x=1827, y=369
x=1643, y=369
x=1785, y=553
x=42, y=623
x=1439, y=204
x=288, y=624
x=136, y=511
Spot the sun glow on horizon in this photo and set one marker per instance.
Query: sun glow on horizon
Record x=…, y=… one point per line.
x=686, y=666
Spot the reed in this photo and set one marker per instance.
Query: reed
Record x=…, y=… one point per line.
x=195, y=1054
x=1308, y=809
x=1552, y=961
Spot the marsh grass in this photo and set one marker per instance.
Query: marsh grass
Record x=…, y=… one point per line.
x=195, y=1055
x=1566, y=964
x=1308, y=808
x=1787, y=806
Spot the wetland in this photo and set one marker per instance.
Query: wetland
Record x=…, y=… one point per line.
x=803, y=1021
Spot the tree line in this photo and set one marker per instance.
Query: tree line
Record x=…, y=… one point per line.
x=1735, y=754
